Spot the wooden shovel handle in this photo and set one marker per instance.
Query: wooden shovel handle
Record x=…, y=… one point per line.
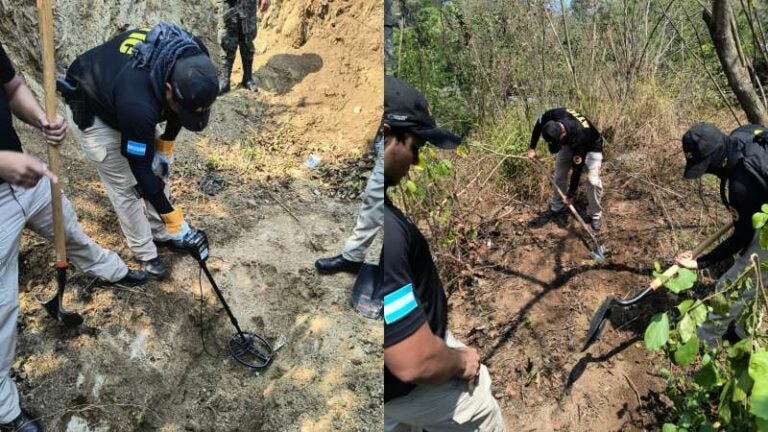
x=696, y=252
x=45, y=13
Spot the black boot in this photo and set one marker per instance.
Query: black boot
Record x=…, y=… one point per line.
x=155, y=268
x=337, y=264
x=133, y=278
x=248, y=81
x=226, y=71
x=23, y=423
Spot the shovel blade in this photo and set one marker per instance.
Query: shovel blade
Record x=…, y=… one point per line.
x=598, y=254
x=598, y=322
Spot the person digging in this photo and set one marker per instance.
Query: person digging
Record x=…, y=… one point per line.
x=431, y=380
x=117, y=94
x=577, y=143
x=25, y=202
x=740, y=161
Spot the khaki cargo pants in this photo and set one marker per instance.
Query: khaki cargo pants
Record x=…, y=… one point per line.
x=31, y=208
x=446, y=407
x=370, y=218
x=563, y=165
x=139, y=220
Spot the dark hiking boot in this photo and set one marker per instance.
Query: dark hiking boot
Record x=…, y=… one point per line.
x=133, y=278
x=547, y=216
x=155, y=268
x=23, y=423
x=337, y=264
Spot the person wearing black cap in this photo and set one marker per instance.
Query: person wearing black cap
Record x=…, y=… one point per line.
x=117, y=94
x=577, y=143
x=740, y=161
x=431, y=380
x=237, y=28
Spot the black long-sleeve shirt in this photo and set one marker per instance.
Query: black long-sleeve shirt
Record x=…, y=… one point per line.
x=581, y=136
x=122, y=96
x=745, y=196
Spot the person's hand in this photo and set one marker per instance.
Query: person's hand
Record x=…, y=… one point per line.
x=263, y=5
x=54, y=132
x=532, y=154
x=685, y=259
x=23, y=170
x=470, y=360
x=567, y=200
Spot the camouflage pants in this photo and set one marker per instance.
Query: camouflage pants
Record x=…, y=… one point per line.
x=388, y=47
x=237, y=30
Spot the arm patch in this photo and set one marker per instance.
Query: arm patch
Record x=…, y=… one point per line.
x=398, y=304
x=136, y=148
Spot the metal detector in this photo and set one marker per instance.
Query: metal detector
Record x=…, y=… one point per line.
x=248, y=348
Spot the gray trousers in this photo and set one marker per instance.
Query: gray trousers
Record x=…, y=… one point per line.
x=446, y=407
x=31, y=208
x=563, y=165
x=370, y=218
x=139, y=220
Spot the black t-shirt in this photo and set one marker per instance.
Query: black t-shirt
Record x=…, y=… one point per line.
x=122, y=96
x=581, y=136
x=413, y=293
x=9, y=140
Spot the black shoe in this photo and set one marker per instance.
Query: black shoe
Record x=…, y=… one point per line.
x=133, y=278
x=547, y=216
x=596, y=223
x=223, y=86
x=337, y=264
x=155, y=268
x=23, y=423
x=250, y=85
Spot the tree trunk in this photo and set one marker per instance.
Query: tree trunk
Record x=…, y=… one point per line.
x=719, y=24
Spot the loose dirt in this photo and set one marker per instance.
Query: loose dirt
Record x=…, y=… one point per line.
x=154, y=362
x=527, y=299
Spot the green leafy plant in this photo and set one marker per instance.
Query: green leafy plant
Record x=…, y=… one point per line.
x=720, y=383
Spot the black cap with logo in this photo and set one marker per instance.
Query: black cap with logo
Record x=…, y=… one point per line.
x=699, y=143
x=405, y=107
x=195, y=87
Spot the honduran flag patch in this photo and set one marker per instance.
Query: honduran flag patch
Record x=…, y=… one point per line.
x=398, y=304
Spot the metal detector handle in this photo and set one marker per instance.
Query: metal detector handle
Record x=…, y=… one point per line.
x=696, y=252
x=196, y=243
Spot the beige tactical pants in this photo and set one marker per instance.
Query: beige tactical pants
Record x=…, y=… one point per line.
x=446, y=407
x=563, y=165
x=370, y=218
x=139, y=220
x=31, y=208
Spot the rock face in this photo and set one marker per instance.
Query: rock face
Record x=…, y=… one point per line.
x=83, y=24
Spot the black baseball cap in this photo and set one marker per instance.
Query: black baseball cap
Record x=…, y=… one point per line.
x=195, y=87
x=405, y=107
x=698, y=144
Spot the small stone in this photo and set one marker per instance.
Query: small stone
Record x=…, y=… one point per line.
x=358, y=109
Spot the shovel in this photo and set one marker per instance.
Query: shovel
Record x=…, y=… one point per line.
x=598, y=253
x=604, y=311
x=54, y=306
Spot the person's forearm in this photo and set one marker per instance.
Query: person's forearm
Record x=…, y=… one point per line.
x=24, y=105
x=439, y=365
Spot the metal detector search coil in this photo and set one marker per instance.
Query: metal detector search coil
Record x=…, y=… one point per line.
x=249, y=349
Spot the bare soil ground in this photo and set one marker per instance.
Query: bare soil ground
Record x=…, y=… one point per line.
x=529, y=294
x=154, y=363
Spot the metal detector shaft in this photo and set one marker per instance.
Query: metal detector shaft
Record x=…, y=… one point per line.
x=221, y=298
